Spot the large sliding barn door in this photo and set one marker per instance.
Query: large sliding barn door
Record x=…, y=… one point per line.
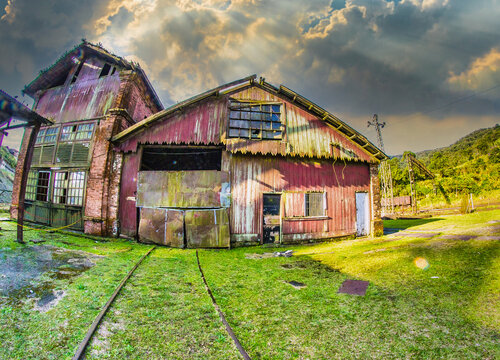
x=183, y=208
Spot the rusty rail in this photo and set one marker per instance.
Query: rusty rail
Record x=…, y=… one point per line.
x=229, y=330
x=81, y=349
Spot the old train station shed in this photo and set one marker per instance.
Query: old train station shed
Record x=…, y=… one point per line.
x=245, y=163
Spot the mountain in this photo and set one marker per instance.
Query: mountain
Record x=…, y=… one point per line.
x=470, y=165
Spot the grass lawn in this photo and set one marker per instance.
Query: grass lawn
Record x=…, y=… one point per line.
x=449, y=309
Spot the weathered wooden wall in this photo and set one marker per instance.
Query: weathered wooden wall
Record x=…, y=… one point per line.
x=203, y=124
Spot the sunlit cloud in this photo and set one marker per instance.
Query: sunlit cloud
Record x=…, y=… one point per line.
x=483, y=73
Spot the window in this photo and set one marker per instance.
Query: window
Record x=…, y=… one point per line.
x=105, y=70
x=255, y=121
x=69, y=187
x=181, y=158
x=31, y=185
x=47, y=135
x=77, y=72
x=42, y=186
x=77, y=132
x=315, y=204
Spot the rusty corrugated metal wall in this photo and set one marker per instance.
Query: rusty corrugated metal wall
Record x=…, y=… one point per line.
x=251, y=176
x=203, y=124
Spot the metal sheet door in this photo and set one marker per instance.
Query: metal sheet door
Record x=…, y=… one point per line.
x=362, y=214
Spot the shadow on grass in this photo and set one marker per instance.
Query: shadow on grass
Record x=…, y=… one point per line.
x=408, y=223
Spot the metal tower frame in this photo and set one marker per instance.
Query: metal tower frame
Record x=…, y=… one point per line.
x=384, y=171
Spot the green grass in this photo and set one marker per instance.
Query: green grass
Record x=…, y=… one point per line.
x=164, y=311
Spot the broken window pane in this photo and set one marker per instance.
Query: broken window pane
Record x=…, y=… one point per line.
x=42, y=187
x=256, y=117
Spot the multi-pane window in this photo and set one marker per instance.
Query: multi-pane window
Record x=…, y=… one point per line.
x=315, y=204
x=31, y=185
x=77, y=132
x=42, y=186
x=255, y=121
x=47, y=135
x=69, y=187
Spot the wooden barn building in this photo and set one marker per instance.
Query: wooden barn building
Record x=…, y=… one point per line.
x=242, y=164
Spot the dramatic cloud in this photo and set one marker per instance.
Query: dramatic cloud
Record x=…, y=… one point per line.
x=430, y=61
x=484, y=72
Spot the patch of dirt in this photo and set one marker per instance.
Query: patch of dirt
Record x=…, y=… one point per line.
x=30, y=273
x=259, y=256
x=99, y=345
x=49, y=300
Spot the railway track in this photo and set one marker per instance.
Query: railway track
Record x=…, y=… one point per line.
x=92, y=329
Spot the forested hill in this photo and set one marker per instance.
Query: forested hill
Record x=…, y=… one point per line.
x=7, y=166
x=472, y=164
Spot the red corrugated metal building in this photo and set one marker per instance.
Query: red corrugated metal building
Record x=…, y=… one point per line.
x=243, y=164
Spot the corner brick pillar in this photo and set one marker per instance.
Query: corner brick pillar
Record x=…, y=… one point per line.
x=16, y=186
x=101, y=205
x=377, y=226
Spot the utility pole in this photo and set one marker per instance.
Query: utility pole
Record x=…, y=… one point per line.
x=384, y=171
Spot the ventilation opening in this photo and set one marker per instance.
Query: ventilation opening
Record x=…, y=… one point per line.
x=105, y=70
x=77, y=72
x=181, y=159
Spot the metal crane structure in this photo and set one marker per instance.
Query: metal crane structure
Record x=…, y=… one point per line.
x=413, y=162
x=384, y=171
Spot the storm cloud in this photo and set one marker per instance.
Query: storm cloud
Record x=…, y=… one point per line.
x=422, y=65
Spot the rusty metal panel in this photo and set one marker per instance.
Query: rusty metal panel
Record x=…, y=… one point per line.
x=201, y=124
x=207, y=228
x=174, y=228
x=181, y=189
x=162, y=226
x=152, y=225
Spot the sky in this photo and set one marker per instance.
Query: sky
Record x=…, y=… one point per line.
x=430, y=69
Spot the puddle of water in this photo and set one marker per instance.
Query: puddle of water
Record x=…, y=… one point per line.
x=30, y=273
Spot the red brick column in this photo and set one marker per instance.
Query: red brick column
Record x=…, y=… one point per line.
x=377, y=226
x=16, y=187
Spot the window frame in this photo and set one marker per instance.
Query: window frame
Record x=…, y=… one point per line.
x=64, y=188
x=75, y=132
x=307, y=204
x=42, y=135
x=258, y=127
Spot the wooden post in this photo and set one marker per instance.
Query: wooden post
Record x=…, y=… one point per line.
x=24, y=181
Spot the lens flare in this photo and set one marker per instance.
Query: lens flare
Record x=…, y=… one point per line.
x=421, y=263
